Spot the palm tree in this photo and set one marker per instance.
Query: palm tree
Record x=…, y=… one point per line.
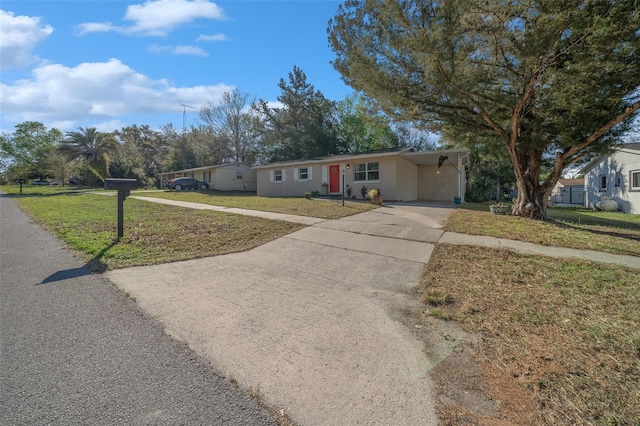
x=94, y=147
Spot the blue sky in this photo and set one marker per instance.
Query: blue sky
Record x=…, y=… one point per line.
x=114, y=63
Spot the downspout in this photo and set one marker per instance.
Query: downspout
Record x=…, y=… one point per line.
x=460, y=176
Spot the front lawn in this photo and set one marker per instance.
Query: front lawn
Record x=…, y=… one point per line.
x=153, y=233
x=562, y=333
x=320, y=208
x=611, y=232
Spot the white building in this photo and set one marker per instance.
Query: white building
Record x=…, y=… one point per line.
x=616, y=176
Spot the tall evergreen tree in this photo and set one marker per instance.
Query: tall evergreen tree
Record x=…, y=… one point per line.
x=303, y=126
x=542, y=78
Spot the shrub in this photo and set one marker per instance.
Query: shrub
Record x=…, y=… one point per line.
x=364, y=192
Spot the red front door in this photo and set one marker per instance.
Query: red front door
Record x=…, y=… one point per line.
x=334, y=178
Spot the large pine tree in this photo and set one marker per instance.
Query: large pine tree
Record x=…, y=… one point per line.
x=302, y=126
x=555, y=79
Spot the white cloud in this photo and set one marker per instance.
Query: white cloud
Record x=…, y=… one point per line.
x=95, y=91
x=178, y=50
x=159, y=17
x=18, y=36
x=96, y=27
x=214, y=37
x=189, y=50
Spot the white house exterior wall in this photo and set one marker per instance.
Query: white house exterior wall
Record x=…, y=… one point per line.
x=438, y=184
x=225, y=178
x=289, y=186
x=617, y=165
x=406, y=178
x=402, y=176
x=386, y=183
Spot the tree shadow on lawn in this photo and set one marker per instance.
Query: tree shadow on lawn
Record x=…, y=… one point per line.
x=95, y=265
x=614, y=232
x=577, y=217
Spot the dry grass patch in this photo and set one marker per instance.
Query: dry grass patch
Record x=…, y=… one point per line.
x=320, y=208
x=564, y=330
x=610, y=232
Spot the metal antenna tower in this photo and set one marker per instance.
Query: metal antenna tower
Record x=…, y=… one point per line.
x=184, y=133
x=184, y=116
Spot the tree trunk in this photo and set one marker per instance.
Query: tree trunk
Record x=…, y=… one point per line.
x=532, y=193
x=531, y=201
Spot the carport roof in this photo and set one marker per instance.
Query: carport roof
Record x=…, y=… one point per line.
x=430, y=158
x=197, y=169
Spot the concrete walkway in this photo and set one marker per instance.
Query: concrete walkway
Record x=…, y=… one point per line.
x=523, y=247
x=319, y=322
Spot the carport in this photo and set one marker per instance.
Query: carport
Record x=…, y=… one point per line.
x=441, y=175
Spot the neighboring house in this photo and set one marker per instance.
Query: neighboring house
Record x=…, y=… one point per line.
x=222, y=177
x=568, y=191
x=400, y=173
x=616, y=176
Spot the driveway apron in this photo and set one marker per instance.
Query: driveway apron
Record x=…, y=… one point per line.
x=316, y=322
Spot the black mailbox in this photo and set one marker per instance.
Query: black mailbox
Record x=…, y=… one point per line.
x=121, y=184
x=124, y=187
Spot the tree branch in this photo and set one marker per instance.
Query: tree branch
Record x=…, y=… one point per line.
x=628, y=112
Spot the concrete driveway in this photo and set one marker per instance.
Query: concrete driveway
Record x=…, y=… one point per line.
x=317, y=322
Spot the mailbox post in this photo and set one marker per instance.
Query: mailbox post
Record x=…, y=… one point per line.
x=20, y=181
x=124, y=187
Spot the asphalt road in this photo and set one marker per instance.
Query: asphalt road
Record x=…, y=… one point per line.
x=76, y=351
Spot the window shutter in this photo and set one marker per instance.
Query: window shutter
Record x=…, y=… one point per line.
x=284, y=175
x=271, y=178
x=310, y=174
x=296, y=174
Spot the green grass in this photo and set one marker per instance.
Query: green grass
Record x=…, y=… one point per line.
x=320, y=208
x=43, y=190
x=611, y=232
x=153, y=233
x=566, y=329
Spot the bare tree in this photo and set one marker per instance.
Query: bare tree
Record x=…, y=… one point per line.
x=232, y=121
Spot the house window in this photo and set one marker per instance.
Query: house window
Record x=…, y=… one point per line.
x=277, y=175
x=366, y=171
x=634, y=178
x=618, y=179
x=302, y=174
x=603, y=183
x=238, y=175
